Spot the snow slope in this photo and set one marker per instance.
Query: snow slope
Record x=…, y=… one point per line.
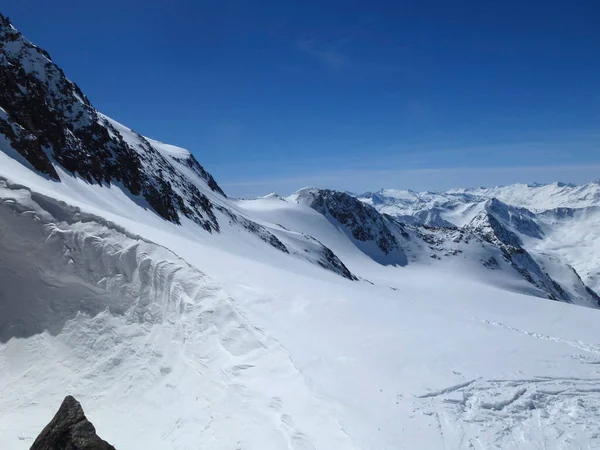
x=184, y=319
x=573, y=236
x=123, y=321
x=456, y=205
x=558, y=220
x=195, y=346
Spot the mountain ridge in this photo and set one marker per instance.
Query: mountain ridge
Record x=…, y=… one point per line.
x=49, y=122
x=312, y=322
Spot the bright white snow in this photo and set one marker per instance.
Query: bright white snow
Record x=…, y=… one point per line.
x=175, y=338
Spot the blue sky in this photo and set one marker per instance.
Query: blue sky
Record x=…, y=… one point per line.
x=278, y=95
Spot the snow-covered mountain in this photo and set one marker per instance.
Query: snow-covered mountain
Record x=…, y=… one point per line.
x=458, y=206
x=507, y=227
x=131, y=281
x=51, y=126
x=556, y=221
x=48, y=124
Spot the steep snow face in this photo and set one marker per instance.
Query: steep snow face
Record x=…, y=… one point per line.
x=521, y=220
x=573, y=236
x=507, y=227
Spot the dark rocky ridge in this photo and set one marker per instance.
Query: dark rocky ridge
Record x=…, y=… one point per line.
x=364, y=222
x=496, y=223
x=49, y=123
x=70, y=430
x=48, y=120
x=497, y=229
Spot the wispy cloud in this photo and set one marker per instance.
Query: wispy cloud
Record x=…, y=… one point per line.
x=329, y=53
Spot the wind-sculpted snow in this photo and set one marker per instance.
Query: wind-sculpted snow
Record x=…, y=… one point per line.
x=127, y=326
x=257, y=356
x=184, y=319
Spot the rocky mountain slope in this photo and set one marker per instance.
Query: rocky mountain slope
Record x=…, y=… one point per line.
x=130, y=280
x=493, y=238
x=551, y=221
x=47, y=123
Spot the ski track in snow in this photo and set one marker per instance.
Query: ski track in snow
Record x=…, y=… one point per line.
x=511, y=414
x=257, y=358
x=592, y=348
x=176, y=338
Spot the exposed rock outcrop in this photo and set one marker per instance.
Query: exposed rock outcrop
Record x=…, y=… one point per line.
x=70, y=430
x=49, y=122
x=373, y=233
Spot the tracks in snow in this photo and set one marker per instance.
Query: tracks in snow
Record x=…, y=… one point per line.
x=129, y=326
x=592, y=348
x=540, y=412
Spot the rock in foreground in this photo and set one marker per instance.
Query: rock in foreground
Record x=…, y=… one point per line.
x=70, y=430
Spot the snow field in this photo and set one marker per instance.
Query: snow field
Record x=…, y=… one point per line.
x=194, y=340
x=141, y=338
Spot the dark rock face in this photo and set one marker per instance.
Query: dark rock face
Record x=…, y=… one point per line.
x=375, y=234
x=49, y=121
x=50, y=124
x=520, y=219
x=492, y=225
x=70, y=430
x=363, y=221
x=330, y=260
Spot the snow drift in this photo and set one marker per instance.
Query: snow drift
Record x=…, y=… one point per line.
x=123, y=321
